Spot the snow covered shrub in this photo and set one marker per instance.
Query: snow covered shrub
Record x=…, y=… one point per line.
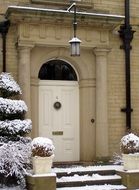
x=14, y=160
x=15, y=127
x=8, y=86
x=129, y=144
x=42, y=146
x=10, y=109
x=117, y=159
x=15, y=147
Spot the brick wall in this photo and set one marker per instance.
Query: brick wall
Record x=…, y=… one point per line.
x=5, y=3
x=114, y=6
x=116, y=94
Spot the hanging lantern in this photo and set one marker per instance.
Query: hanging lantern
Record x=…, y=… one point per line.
x=74, y=42
x=75, y=46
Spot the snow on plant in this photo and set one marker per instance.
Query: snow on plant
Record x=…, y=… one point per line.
x=8, y=86
x=15, y=127
x=117, y=159
x=15, y=147
x=42, y=146
x=129, y=144
x=12, y=106
x=14, y=158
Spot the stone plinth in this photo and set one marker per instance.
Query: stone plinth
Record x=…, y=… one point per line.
x=41, y=182
x=130, y=178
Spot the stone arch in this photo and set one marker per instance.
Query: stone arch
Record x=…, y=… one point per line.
x=40, y=55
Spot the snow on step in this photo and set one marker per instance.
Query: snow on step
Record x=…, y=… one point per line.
x=88, y=168
x=94, y=177
x=96, y=187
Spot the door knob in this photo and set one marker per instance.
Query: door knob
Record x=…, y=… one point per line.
x=92, y=120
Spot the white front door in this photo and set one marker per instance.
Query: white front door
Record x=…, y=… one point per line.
x=59, y=117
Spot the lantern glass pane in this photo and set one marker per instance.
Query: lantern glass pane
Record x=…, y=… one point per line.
x=75, y=48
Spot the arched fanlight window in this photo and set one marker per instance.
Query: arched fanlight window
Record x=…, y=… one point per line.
x=57, y=70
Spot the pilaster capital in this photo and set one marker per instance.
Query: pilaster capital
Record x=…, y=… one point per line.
x=101, y=51
x=23, y=45
x=87, y=83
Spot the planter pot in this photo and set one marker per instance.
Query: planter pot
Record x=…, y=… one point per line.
x=131, y=161
x=42, y=165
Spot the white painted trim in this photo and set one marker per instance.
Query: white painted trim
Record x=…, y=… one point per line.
x=57, y=82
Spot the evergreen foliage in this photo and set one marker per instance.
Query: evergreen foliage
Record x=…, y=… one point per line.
x=15, y=147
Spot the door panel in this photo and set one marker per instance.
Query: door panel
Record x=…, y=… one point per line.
x=61, y=125
x=45, y=107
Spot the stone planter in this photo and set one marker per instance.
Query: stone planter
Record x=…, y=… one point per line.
x=42, y=165
x=131, y=161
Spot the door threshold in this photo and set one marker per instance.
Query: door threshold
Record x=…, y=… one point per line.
x=71, y=164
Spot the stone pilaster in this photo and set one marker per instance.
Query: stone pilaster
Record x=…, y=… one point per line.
x=87, y=113
x=101, y=102
x=24, y=75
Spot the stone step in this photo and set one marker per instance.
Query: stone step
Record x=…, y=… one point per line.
x=86, y=170
x=90, y=176
x=89, y=172
x=84, y=183
x=95, y=187
x=96, y=179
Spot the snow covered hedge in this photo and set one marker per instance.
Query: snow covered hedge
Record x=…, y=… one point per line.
x=15, y=147
x=15, y=127
x=129, y=144
x=14, y=158
x=8, y=86
x=12, y=108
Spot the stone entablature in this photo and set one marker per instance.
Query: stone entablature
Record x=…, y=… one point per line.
x=54, y=27
x=94, y=19
x=51, y=35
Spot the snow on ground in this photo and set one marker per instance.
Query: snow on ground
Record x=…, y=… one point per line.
x=88, y=168
x=95, y=187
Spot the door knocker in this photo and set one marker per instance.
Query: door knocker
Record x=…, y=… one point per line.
x=57, y=105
